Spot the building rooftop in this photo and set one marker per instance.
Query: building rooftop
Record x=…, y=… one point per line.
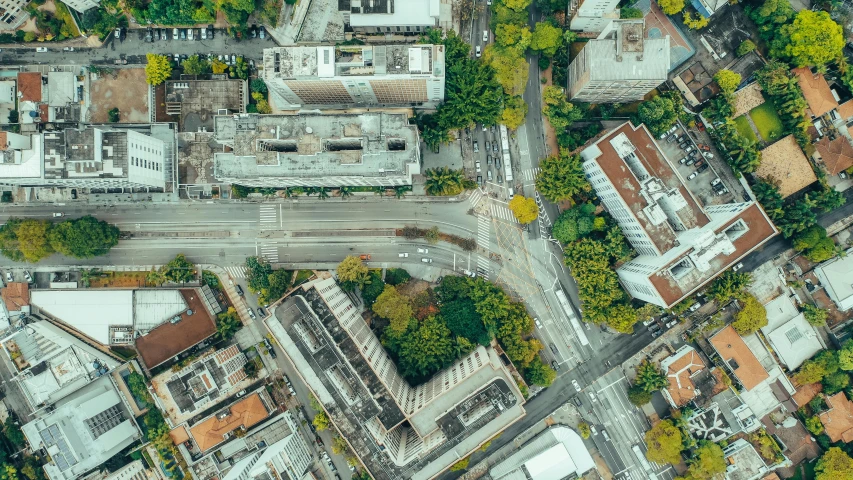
x=837, y=154
x=15, y=295
x=311, y=146
x=680, y=368
x=791, y=336
x=198, y=101
x=817, y=92
x=838, y=419
x=785, y=163
x=352, y=60
x=170, y=339
x=834, y=276
x=204, y=382
x=380, y=13
x=747, y=98
x=29, y=86
x=740, y=359
x=242, y=414
x=557, y=453
x=423, y=429
x=84, y=430
x=628, y=55
x=743, y=462
x=60, y=88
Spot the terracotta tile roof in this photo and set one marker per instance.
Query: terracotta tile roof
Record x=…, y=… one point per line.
x=15, y=296
x=3, y=141
x=816, y=90
x=739, y=357
x=771, y=476
x=179, y=435
x=837, y=154
x=681, y=387
x=805, y=393
x=245, y=413
x=838, y=420
x=29, y=86
x=170, y=339
x=845, y=110
x=747, y=98
x=785, y=162
x=44, y=114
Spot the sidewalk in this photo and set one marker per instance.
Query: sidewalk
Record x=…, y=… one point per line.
x=231, y=292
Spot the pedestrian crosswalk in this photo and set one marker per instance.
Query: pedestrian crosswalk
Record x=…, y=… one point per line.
x=237, y=272
x=475, y=198
x=530, y=174
x=270, y=253
x=269, y=216
x=484, y=233
x=483, y=267
x=502, y=212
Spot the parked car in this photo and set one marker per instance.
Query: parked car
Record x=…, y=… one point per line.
x=695, y=306
x=204, y=34
x=251, y=313
x=210, y=32
x=554, y=349
x=683, y=160
x=253, y=31
x=538, y=323
x=239, y=290
x=57, y=214
x=470, y=273
x=423, y=250
x=174, y=34
x=183, y=34
x=477, y=166
x=68, y=49
x=593, y=429
x=672, y=323
x=241, y=393
x=555, y=365
x=476, y=146
x=261, y=312
x=605, y=435
x=488, y=159
x=9, y=277
x=699, y=163
x=704, y=147
x=576, y=385
x=592, y=396
x=488, y=144
x=690, y=161
x=737, y=267
x=692, y=176
x=27, y=276
x=262, y=32
x=494, y=146
x=708, y=155
x=41, y=49
x=480, y=179
x=189, y=34
x=702, y=168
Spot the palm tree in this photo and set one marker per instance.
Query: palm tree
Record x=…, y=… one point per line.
x=345, y=192
x=443, y=181
x=312, y=190
x=379, y=190
x=401, y=190
x=296, y=191
x=322, y=193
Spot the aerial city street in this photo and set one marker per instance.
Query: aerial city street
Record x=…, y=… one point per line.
x=418, y=239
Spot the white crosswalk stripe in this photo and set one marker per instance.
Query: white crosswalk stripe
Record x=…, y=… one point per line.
x=483, y=267
x=269, y=214
x=503, y=213
x=530, y=174
x=270, y=253
x=237, y=272
x=475, y=197
x=483, y=233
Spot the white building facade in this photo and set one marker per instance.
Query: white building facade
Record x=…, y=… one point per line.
x=595, y=15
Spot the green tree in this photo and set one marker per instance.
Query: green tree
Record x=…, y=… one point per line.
x=630, y=12
x=158, y=69
x=817, y=316
x=85, y=237
x=460, y=465
x=339, y=445
x=752, y=316
x=561, y=177
x=372, y=289
x=195, y=65
x=240, y=69
x=664, y=442
x=727, y=80
x=137, y=386
x=511, y=35
x=13, y=432
x=797, y=218
x=425, y=349
x=546, y=39
x=560, y=112
x=729, y=284
x=745, y=47
x=671, y=7
x=321, y=421
x=510, y=67
x=770, y=16
x=179, y=269
x=835, y=382
x=574, y=223
x=814, y=425
x=463, y=320
x=815, y=369
x=352, y=271
x=444, y=181
x=524, y=209
x=472, y=95
x=218, y=66
x=538, y=373
x=835, y=464
x=227, y=323
x=650, y=376
x=638, y=395
x=697, y=22
x=433, y=235
x=25, y=239
x=513, y=113
x=815, y=244
x=584, y=430
x=707, y=462
x=251, y=369
x=114, y=115
x=394, y=307
x=814, y=39
x=658, y=114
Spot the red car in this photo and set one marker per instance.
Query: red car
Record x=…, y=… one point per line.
x=704, y=147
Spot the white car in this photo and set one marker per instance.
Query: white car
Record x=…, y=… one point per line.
x=485, y=36
x=576, y=385
x=423, y=250
x=470, y=273
x=592, y=396
x=44, y=49
x=403, y=255
x=189, y=34
x=251, y=313
x=426, y=260
x=57, y=214
x=692, y=176
x=28, y=277
x=477, y=166
x=538, y=323
x=592, y=429
x=479, y=51
x=204, y=34
x=9, y=277
x=737, y=267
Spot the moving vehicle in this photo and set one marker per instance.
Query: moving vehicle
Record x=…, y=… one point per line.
x=592, y=396
x=554, y=349
x=488, y=146
x=403, y=255
x=605, y=435
x=576, y=385
x=592, y=429
x=478, y=51
x=239, y=290
x=364, y=257
x=423, y=250
x=68, y=49
x=41, y=49
x=538, y=323
x=241, y=393
x=426, y=260
x=57, y=214
x=485, y=36
x=470, y=273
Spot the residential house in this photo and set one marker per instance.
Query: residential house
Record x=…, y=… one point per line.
x=834, y=276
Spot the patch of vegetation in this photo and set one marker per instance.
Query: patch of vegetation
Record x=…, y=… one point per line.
x=767, y=122
x=745, y=129
x=32, y=240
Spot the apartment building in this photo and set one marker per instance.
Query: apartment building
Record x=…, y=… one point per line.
x=595, y=15
x=682, y=243
x=398, y=431
x=93, y=156
x=368, y=149
x=621, y=65
x=12, y=14
x=355, y=75
x=394, y=16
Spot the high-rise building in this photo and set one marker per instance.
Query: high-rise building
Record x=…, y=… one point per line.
x=621, y=65
x=94, y=156
x=682, y=243
x=595, y=15
x=355, y=75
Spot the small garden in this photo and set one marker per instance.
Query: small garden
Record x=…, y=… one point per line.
x=767, y=122
x=745, y=129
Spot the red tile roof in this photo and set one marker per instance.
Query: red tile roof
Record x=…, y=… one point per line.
x=15, y=296
x=245, y=413
x=734, y=351
x=837, y=154
x=816, y=90
x=680, y=373
x=29, y=86
x=838, y=420
x=3, y=141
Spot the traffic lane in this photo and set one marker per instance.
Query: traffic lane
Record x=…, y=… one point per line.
x=624, y=426
x=611, y=455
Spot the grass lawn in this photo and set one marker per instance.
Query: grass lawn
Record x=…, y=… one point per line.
x=744, y=128
x=767, y=121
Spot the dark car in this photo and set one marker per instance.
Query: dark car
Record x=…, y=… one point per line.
x=318, y=440
x=210, y=32
x=577, y=401
x=555, y=365
x=239, y=290
x=702, y=168
x=261, y=312
x=554, y=349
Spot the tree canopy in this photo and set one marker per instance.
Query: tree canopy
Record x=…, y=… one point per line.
x=660, y=113
x=752, y=316
x=179, y=269
x=835, y=464
x=195, y=65
x=560, y=112
x=817, y=316
x=85, y=237
x=671, y=7
x=729, y=285
x=650, y=377
x=664, y=442
x=814, y=39
x=727, y=80
x=352, y=271
x=394, y=307
x=707, y=462
x=444, y=181
x=524, y=209
x=158, y=69
x=576, y=222
x=815, y=244
x=561, y=177
x=546, y=39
